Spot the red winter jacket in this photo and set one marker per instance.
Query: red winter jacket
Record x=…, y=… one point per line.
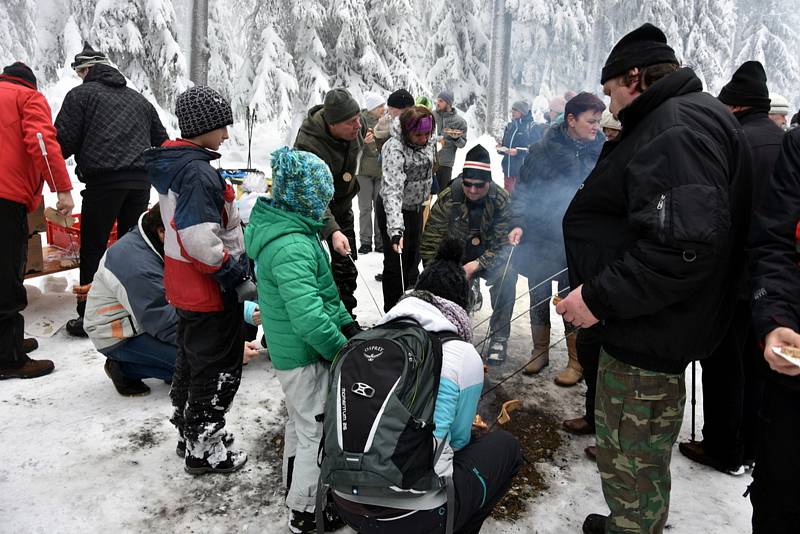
x=23, y=113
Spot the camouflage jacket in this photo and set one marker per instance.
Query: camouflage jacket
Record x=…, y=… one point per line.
x=450, y=218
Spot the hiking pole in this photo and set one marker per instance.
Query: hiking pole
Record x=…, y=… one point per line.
x=499, y=291
x=364, y=280
x=537, y=286
x=694, y=400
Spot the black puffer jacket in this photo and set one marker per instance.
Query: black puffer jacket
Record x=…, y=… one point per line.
x=655, y=234
x=520, y=134
x=775, y=252
x=552, y=172
x=765, y=139
x=107, y=126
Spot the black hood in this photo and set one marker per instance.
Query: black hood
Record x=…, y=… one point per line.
x=105, y=74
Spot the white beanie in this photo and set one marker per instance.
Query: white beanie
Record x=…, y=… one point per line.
x=778, y=105
x=373, y=100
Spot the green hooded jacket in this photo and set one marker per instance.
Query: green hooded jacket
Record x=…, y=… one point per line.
x=341, y=157
x=300, y=306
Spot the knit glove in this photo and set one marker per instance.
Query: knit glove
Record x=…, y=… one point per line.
x=233, y=273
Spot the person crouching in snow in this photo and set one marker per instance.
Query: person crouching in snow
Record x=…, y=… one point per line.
x=302, y=315
x=481, y=468
x=206, y=277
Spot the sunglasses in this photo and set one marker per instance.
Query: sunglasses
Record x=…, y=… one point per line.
x=474, y=185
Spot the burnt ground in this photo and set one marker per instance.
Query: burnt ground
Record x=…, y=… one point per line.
x=538, y=434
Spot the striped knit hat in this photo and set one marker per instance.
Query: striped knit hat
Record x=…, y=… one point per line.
x=477, y=165
x=89, y=57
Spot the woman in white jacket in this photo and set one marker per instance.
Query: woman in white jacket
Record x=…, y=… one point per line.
x=407, y=164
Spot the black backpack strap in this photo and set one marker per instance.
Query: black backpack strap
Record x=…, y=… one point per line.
x=451, y=505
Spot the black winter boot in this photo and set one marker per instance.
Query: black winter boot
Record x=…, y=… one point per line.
x=594, y=524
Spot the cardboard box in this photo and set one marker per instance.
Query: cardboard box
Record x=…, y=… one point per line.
x=35, y=258
x=36, y=221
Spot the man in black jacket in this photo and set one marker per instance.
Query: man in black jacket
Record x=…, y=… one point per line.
x=107, y=126
x=775, y=267
x=654, y=243
x=730, y=388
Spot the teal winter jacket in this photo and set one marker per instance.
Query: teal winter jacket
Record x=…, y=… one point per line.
x=300, y=307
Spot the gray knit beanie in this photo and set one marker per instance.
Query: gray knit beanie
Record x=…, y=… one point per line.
x=201, y=110
x=447, y=96
x=339, y=106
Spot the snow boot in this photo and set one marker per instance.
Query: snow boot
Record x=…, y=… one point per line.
x=497, y=351
x=125, y=386
x=574, y=372
x=75, y=327
x=578, y=426
x=29, y=345
x=541, y=350
x=29, y=369
x=695, y=451
x=234, y=460
x=594, y=524
x=227, y=439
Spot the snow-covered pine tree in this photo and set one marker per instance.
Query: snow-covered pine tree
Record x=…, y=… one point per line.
x=139, y=36
x=397, y=41
x=457, y=53
x=769, y=34
x=308, y=51
x=709, y=42
x=18, y=31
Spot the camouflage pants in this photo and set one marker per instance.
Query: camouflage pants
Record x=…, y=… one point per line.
x=638, y=417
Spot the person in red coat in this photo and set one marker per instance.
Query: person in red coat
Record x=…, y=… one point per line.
x=26, y=122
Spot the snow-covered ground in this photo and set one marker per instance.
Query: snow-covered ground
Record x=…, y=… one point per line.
x=77, y=457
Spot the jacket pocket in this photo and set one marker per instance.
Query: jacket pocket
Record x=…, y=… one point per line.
x=696, y=213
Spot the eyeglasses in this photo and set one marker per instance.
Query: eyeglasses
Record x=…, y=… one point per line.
x=474, y=185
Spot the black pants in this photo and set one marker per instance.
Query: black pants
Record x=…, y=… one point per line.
x=444, y=175
x=729, y=378
x=775, y=492
x=589, y=357
x=482, y=474
x=99, y=209
x=392, y=283
x=344, y=272
x=13, y=299
x=208, y=369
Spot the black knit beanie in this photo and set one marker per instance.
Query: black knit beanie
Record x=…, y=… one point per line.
x=748, y=87
x=644, y=46
x=400, y=99
x=477, y=165
x=444, y=276
x=22, y=71
x=200, y=110
x=339, y=106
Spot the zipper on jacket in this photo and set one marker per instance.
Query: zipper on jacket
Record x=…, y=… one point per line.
x=483, y=484
x=662, y=217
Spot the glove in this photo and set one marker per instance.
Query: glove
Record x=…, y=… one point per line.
x=246, y=291
x=396, y=239
x=351, y=329
x=233, y=273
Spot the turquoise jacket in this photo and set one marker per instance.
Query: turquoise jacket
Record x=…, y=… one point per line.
x=301, y=312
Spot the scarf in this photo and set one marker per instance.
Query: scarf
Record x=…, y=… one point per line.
x=451, y=311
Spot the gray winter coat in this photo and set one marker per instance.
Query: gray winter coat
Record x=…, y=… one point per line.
x=407, y=177
x=450, y=120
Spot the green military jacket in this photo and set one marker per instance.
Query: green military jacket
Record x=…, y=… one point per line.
x=450, y=218
x=341, y=156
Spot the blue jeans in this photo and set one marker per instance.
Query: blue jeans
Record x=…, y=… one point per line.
x=144, y=356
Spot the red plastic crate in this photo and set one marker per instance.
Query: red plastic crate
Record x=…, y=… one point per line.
x=66, y=238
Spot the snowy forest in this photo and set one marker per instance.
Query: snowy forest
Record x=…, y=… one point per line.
x=282, y=56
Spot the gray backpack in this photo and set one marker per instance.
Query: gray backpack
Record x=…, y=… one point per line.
x=378, y=422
